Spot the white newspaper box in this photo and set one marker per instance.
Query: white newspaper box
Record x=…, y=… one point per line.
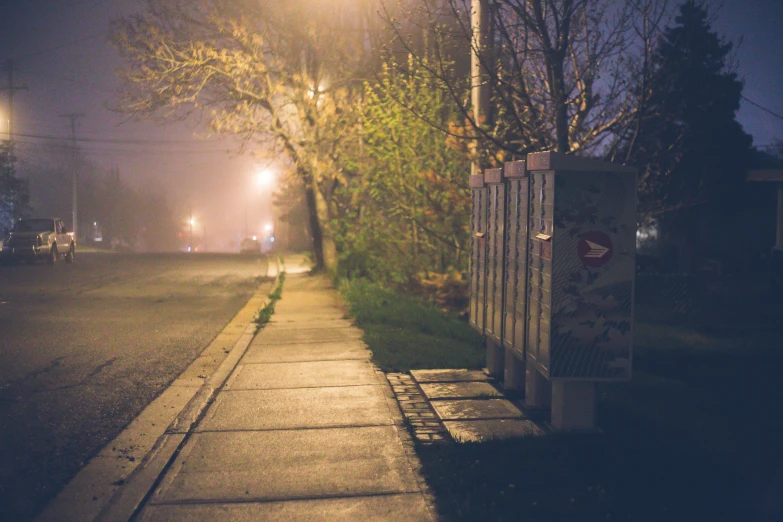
x=580, y=279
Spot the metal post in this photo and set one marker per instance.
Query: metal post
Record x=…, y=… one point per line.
x=479, y=21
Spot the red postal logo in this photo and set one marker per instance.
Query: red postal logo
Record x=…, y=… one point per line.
x=595, y=249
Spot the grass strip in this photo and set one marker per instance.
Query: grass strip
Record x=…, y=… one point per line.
x=264, y=314
x=405, y=333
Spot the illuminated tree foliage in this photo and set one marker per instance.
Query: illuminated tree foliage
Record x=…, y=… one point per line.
x=281, y=75
x=407, y=213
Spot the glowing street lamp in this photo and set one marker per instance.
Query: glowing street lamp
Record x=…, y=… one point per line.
x=265, y=178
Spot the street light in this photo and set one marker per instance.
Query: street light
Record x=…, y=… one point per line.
x=265, y=178
x=190, y=240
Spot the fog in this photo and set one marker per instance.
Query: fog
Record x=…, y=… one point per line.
x=63, y=61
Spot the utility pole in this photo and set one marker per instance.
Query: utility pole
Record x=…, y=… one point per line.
x=479, y=88
x=73, y=117
x=11, y=89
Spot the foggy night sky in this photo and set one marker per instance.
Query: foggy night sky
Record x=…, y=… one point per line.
x=65, y=75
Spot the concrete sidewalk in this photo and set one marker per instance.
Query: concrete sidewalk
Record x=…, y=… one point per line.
x=305, y=428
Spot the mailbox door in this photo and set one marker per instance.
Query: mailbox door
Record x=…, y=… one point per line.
x=478, y=259
x=542, y=196
x=495, y=261
x=515, y=313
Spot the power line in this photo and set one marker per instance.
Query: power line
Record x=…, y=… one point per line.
x=762, y=107
x=25, y=145
x=66, y=44
x=116, y=141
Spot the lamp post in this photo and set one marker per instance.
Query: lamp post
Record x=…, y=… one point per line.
x=190, y=236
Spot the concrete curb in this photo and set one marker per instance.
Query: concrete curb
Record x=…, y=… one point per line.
x=127, y=495
x=127, y=502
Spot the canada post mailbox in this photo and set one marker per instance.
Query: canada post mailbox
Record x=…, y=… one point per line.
x=515, y=274
x=496, y=239
x=478, y=252
x=581, y=267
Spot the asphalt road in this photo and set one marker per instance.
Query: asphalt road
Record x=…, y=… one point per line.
x=85, y=347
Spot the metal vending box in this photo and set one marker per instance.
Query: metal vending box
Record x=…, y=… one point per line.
x=581, y=267
x=496, y=239
x=478, y=252
x=515, y=282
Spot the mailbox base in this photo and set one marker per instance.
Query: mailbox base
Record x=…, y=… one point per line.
x=514, y=374
x=496, y=358
x=573, y=406
x=538, y=390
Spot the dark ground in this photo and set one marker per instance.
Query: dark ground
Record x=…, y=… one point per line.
x=695, y=436
x=85, y=347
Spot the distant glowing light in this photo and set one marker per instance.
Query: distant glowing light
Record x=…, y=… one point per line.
x=268, y=227
x=265, y=178
x=192, y=221
x=95, y=223
x=272, y=239
x=254, y=238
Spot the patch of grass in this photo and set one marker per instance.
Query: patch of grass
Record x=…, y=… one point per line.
x=264, y=314
x=406, y=333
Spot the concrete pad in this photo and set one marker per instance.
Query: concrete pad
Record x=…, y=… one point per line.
x=297, y=408
x=288, y=464
x=302, y=375
x=494, y=429
x=423, y=376
x=354, y=349
x=459, y=390
x=476, y=409
x=406, y=506
x=314, y=335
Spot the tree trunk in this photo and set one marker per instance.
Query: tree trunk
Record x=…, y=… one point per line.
x=316, y=232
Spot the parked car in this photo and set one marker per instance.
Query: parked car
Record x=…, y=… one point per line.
x=250, y=245
x=39, y=238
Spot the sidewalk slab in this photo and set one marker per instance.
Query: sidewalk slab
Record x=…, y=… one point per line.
x=493, y=429
x=309, y=374
x=315, y=321
x=312, y=335
x=291, y=464
x=460, y=375
x=297, y=408
x=476, y=409
x=331, y=351
x=404, y=506
x=459, y=390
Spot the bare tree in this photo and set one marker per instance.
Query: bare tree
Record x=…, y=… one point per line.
x=561, y=72
x=281, y=75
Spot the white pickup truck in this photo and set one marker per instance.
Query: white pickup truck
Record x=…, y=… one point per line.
x=35, y=238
